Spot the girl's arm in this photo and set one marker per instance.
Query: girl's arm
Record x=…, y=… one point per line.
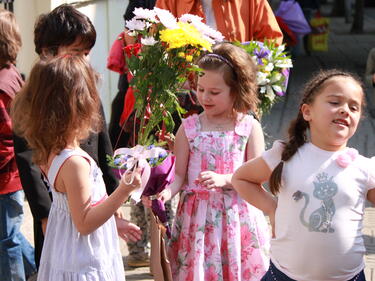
x=255, y=144
x=181, y=151
x=74, y=177
x=371, y=196
x=247, y=181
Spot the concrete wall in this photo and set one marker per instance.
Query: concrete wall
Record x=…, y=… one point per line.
x=106, y=16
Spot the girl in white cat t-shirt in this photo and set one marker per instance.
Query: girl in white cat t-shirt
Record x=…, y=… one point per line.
x=322, y=186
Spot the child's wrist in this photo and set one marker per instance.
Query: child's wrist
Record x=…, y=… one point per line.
x=126, y=188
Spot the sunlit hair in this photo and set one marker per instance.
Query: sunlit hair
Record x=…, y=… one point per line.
x=62, y=27
x=58, y=103
x=239, y=72
x=297, y=131
x=10, y=38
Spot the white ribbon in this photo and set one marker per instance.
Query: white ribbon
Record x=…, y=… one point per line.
x=137, y=157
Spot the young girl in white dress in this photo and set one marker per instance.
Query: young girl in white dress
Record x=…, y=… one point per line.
x=58, y=107
x=322, y=186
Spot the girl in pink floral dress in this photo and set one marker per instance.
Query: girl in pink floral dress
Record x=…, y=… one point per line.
x=217, y=235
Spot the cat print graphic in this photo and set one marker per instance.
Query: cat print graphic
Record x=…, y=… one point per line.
x=320, y=220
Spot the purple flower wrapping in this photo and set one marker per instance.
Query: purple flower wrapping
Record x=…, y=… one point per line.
x=161, y=176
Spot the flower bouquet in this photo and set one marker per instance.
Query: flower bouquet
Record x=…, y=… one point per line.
x=159, y=63
x=273, y=71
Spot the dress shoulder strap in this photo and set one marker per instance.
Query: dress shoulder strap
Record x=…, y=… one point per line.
x=191, y=126
x=244, y=124
x=59, y=160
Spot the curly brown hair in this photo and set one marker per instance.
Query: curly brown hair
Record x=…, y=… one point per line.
x=297, y=131
x=58, y=103
x=239, y=73
x=10, y=38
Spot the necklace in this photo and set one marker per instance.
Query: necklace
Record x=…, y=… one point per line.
x=216, y=126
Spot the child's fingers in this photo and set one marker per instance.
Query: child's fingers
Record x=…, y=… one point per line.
x=124, y=237
x=165, y=195
x=210, y=184
x=134, y=234
x=207, y=182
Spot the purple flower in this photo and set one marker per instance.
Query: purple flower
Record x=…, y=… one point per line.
x=117, y=161
x=261, y=53
x=285, y=72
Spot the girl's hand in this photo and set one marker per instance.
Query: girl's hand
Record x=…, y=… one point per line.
x=120, y=213
x=165, y=195
x=169, y=138
x=127, y=230
x=134, y=184
x=44, y=225
x=211, y=179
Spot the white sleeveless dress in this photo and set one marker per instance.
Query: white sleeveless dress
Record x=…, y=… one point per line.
x=68, y=255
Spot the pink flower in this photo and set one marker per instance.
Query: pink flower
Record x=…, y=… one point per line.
x=225, y=272
x=246, y=234
x=190, y=276
x=190, y=206
x=224, y=248
x=347, y=157
x=211, y=274
x=247, y=274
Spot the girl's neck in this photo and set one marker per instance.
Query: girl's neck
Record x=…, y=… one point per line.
x=74, y=144
x=219, y=123
x=328, y=146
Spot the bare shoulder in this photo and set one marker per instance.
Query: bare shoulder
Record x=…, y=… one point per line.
x=256, y=130
x=75, y=164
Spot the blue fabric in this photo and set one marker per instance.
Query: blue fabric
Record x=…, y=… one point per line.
x=273, y=274
x=16, y=253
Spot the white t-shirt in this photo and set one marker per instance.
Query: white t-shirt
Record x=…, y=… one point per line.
x=209, y=13
x=319, y=217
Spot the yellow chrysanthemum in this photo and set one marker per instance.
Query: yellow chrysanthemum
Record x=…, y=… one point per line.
x=186, y=34
x=189, y=58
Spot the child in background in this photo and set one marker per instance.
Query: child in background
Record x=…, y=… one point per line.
x=322, y=186
x=64, y=30
x=16, y=253
x=217, y=235
x=58, y=107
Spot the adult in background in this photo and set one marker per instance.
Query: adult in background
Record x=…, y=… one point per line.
x=237, y=20
x=16, y=254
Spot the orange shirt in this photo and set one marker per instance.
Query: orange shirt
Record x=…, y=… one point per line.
x=237, y=20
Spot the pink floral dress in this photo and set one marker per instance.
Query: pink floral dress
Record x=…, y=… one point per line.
x=217, y=235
